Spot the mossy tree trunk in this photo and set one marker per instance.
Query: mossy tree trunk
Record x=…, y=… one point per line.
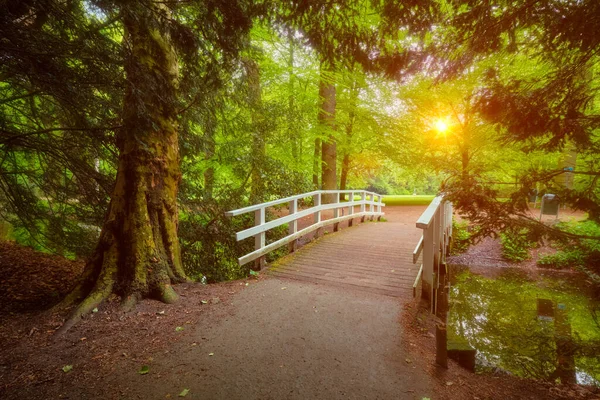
x=257, y=188
x=138, y=252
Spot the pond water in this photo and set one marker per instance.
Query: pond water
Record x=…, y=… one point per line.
x=547, y=327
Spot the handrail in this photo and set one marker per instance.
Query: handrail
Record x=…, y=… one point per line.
x=260, y=227
x=436, y=223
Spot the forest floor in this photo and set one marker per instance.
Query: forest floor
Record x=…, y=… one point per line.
x=265, y=338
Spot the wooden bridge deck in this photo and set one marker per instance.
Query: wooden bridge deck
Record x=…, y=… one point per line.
x=372, y=256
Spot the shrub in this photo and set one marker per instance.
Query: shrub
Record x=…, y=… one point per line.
x=562, y=259
x=516, y=245
x=461, y=237
x=579, y=253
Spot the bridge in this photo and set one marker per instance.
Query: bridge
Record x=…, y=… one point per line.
x=402, y=256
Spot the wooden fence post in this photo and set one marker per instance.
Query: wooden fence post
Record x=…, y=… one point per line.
x=259, y=238
x=363, y=198
x=317, y=201
x=350, y=208
x=336, y=212
x=293, y=226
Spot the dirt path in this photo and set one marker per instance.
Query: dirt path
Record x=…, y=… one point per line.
x=292, y=340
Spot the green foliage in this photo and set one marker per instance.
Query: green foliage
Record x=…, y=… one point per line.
x=461, y=237
x=581, y=253
x=407, y=200
x=562, y=259
x=516, y=245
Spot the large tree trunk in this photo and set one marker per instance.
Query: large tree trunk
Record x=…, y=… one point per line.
x=257, y=189
x=326, y=119
x=316, y=163
x=349, y=132
x=138, y=252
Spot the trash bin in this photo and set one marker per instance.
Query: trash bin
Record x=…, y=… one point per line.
x=550, y=205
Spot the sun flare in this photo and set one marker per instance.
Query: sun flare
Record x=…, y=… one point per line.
x=441, y=126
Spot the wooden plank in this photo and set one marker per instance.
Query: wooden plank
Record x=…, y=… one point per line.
x=417, y=251
x=275, y=245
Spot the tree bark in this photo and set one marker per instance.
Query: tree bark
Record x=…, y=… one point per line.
x=326, y=119
x=316, y=163
x=355, y=90
x=138, y=252
x=257, y=189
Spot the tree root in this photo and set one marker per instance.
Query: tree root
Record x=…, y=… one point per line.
x=167, y=294
x=93, y=300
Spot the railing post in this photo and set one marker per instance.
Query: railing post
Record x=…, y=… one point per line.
x=317, y=201
x=436, y=224
x=427, y=276
x=379, y=205
x=336, y=212
x=293, y=225
x=350, y=208
x=371, y=206
x=363, y=198
x=259, y=238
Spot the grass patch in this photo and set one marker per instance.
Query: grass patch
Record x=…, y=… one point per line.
x=407, y=200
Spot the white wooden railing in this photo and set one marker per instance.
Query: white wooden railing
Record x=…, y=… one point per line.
x=436, y=223
x=369, y=204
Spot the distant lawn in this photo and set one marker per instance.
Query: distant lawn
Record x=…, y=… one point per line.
x=407, y=200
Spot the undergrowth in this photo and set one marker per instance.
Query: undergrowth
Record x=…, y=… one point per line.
x=583, y=254
x=516, y=245
x=461, y=237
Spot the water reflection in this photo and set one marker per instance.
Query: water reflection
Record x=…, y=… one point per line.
x=546, y=328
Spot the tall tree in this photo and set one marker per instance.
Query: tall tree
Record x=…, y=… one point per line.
x=139, y=238
x=327, y=127
x=258, y=150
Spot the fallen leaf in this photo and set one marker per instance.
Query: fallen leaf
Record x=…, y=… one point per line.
x=95, y=310
x=184, y=392
x=179, y=329
x=204, y=301
x=161, y=312
x=449, y=383
x=284, y=288
x=408, y=360
x=67, y=368
x=144, y=370
x=211, y=354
